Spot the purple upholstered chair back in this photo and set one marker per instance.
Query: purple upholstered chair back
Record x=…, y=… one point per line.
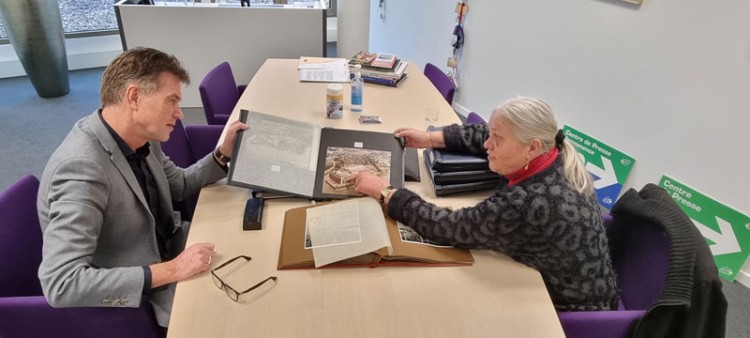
x=34, y=317
x=474, y=118
x=178, y=147
x=187, y=145
x=203, y=139
x=441, y=81
x=219, y=94
x=24, y=312
x=20, y=239
x=640, y=255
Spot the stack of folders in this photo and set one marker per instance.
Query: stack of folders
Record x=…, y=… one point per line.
x=452, y=173
x=372, y=72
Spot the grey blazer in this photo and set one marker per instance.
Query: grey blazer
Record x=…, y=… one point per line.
x=97, y=228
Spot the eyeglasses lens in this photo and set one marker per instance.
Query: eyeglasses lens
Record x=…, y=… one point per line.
x=234, y=295
x=219, y=284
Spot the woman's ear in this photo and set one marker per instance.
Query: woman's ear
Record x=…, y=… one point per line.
x=535, y=148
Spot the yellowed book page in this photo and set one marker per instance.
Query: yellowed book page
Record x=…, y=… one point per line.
x=346, y=229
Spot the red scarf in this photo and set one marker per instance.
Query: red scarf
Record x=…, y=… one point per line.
x=536, y=165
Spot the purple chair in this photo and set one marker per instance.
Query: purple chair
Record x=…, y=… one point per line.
x=640, y=255
x=441, y=81
x=669, y=282
x=21, y=234
x=24, y=312
x=219, y=94
x=187, y=145
x=474, y=118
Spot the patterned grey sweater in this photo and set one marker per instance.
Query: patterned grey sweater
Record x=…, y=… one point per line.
x=541, y=222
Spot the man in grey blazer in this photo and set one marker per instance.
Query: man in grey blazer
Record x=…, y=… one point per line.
x=105, y=198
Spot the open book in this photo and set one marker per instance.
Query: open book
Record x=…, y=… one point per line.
x=355, y=232
x=293, y=157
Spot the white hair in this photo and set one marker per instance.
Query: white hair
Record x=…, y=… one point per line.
x=531, y=119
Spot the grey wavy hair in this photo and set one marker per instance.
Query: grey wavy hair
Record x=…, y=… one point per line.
x=141, y=66
x=532, y=118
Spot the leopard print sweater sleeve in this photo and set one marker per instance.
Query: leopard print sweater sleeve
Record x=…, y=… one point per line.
x=541, y=222
x=466, y=139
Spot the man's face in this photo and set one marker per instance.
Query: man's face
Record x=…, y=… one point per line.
x=158, y=112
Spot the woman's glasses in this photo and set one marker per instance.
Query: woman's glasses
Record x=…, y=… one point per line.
x=231, y=292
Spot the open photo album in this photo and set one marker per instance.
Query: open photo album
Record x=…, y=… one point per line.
x=287, y=156
x=356, y=233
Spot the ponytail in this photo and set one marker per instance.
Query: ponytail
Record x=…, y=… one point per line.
x=574, y=169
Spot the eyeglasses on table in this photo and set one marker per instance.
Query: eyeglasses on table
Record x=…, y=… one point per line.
x=231, y=292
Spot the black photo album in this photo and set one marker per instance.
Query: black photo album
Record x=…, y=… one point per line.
x=287, y=156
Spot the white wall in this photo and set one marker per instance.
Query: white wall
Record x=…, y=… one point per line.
x=353, y=19
x=244, y=37
x=665, y=82
x=416, y=30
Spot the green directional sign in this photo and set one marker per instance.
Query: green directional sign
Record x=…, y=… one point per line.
x=608, y=166
x=726, y=230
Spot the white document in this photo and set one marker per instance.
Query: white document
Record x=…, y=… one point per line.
x=333, y=230
x=323, y=70
x=278, y=153
x=333, y=226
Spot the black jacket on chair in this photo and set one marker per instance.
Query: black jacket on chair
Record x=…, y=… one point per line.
x=692, y=303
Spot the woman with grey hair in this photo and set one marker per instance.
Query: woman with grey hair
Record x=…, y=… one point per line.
x=545, y=215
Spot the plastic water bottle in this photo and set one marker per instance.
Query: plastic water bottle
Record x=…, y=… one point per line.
x=357, y=89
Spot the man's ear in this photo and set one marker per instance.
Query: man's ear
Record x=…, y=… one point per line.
x=132, y=94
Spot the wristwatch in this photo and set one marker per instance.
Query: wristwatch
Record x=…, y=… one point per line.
x=221, y=158
x=385, y=192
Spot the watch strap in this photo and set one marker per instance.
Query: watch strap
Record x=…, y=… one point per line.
x=221, y=158
x=385, y=192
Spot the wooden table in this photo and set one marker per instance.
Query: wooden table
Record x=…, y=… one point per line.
x=496, y=297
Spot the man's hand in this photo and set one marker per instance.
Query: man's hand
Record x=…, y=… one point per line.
x=227, y=146
x=194, y=260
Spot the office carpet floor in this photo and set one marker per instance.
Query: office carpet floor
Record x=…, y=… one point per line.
x=32, y=127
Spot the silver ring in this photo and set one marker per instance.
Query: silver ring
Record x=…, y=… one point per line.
x=209, y=259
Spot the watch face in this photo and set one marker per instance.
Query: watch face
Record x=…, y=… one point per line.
x=385, y=192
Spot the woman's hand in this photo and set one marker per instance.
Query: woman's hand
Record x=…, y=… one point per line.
x=420, y=139
x=369, y=184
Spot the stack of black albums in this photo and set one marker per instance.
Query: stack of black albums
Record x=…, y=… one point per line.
x=452, y=173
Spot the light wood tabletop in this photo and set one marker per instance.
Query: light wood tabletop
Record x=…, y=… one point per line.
x=495, y=297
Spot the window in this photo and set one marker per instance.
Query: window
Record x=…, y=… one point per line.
x=92, y=17
x=97, y=17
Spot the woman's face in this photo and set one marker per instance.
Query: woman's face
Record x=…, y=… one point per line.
x=505, y=152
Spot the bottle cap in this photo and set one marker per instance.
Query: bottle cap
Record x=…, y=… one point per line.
x=335, y=89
